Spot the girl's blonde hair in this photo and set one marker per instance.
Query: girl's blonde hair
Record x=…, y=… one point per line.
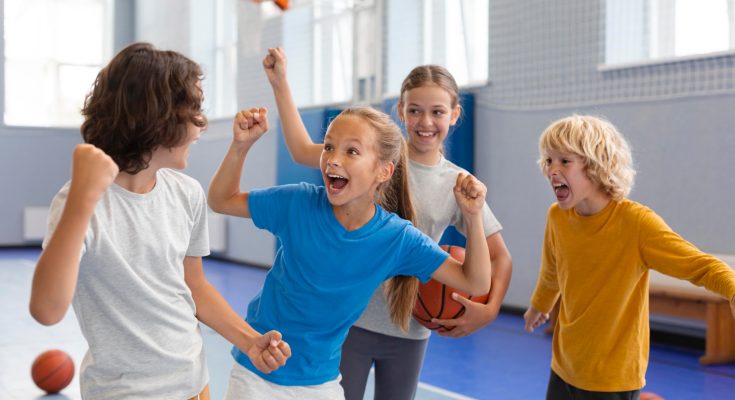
x=394, y=196
x=606, y=154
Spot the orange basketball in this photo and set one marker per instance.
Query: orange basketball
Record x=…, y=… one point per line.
x=435, y=299
x=650, y=396
x=52, y=371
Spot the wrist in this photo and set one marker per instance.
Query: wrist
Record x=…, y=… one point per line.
x=83, y=199
x=241, y=146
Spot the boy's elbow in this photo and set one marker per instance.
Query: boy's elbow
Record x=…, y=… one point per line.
x=44, y=316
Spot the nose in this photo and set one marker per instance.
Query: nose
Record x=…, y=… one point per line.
x=425, y=119
x=552, y=170
x=333, y=161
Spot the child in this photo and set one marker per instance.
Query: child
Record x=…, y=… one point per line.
x=428, y=105
x=127, y=235
x=598, y=249
x=336, y=246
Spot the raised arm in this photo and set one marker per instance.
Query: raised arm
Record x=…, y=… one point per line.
x=55, y=277
x=224, y=195
x=473, y=276
x=302, y=149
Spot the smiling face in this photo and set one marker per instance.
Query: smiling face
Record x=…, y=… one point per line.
x=351, y=168
x=572, y=187
x=428, y=113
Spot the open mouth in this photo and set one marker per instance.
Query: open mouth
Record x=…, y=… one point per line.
x=561, y=191
x=337, y=182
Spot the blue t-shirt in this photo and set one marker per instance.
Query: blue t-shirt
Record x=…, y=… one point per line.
x=323, y=276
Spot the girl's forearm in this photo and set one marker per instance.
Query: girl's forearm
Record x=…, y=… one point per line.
x=477, y=264
x=226, y=181
x=299, y=143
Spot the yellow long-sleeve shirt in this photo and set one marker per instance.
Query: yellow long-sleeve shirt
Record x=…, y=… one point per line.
x=599, y=266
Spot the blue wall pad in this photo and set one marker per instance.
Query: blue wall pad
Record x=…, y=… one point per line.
x=316, y=122
x=458, y=148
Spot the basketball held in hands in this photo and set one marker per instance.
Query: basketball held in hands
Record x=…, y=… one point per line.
x=435, y=299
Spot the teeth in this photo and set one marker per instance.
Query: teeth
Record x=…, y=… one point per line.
x=336, y=176
x=425, y=134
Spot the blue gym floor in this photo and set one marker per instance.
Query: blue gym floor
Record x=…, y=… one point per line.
x=499, y=362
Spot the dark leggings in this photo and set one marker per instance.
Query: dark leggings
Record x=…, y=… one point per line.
x=397, y=364
x=560, y=390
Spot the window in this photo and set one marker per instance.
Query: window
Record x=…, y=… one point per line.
x=53, y=52
x=213, y=36
x=318, y=39
x=360, y=50
x=650, y=30
x=451, y=33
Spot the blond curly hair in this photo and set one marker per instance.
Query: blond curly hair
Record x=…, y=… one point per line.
x=606, y=154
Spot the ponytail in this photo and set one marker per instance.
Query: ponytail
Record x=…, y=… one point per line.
x=394, y=196
x=401, y=291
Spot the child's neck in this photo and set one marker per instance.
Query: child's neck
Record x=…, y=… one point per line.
x=353, y=216
x=592, y=205
x=142, y=182
x=427, y=158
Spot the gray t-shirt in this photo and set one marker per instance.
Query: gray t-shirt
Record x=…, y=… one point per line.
x=132, y=303
x=436, y=209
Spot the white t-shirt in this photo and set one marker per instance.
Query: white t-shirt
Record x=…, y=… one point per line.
x=132, y=303
x=432, y=191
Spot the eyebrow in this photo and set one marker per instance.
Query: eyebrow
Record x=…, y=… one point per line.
x=347, y=141
x=438, y=105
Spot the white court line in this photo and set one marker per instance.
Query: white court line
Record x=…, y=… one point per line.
x=444, y=392
x=422, y=386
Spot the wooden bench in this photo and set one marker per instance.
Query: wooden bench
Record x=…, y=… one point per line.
x=674, y=297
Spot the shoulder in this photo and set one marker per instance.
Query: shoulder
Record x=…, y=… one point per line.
x=644, y=216
x=554, y=211
x=181, y=188
x=301, y=189
x=392, y=219
x=449, y=166
x=179, y=180
x=632, y=210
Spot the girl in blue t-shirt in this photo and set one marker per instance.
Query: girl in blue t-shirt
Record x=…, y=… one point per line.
x=337, y=244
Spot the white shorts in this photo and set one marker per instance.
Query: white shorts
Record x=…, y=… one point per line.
x=246, y=385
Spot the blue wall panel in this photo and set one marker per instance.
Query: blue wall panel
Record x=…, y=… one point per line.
x=288, y=171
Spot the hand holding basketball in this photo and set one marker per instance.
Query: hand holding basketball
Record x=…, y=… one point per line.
x=435, y=301
x=469, y=193
x=476, y=316
x=250, y=125
x=534, y=319
x=52, y=371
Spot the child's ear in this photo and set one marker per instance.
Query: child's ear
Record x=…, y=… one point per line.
x=456, y=111
x=400, y=112
x=386, y=171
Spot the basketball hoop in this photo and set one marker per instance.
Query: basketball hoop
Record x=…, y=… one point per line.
x=282, y=4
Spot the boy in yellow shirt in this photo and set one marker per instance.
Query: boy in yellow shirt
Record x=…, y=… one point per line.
x=598, y=249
